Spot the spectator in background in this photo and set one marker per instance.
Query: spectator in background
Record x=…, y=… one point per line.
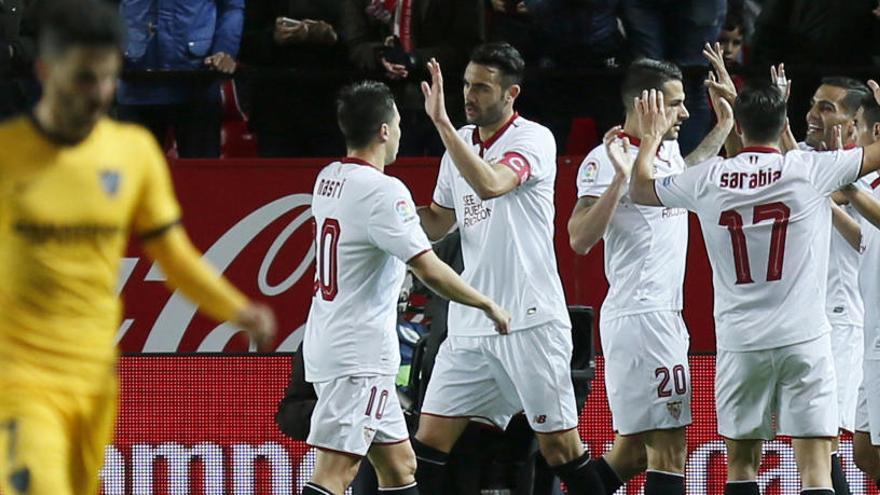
x=289, y=114
x=732, y=38
x=815, y=32
x=677, y=30
x=18, y=88
x=185, y=35
x=396, y=38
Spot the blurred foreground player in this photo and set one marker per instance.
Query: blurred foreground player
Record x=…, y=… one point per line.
x=496, y=184
x=366, y=229
x=74, y=186
x=767, y=224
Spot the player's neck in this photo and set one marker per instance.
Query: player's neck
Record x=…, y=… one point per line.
x=486, y=132
x=754, y=145
x=631, y=127
x=47, y=123
x=375, y=157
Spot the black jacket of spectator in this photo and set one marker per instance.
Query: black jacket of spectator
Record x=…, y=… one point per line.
x=292, y=112
x=17, y=53
x=825, y=32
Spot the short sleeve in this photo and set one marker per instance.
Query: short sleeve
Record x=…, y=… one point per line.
x=394, y=225
x=443, y=193
x=828, y=171
x=595, y=174
x=683, y=190
x=532, y=155
x=157, y=206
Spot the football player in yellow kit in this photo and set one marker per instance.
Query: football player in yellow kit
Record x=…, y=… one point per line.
x=74, y=185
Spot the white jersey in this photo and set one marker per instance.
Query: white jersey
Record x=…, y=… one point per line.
x=766, y=221
x=869, y=278
x=645, y=246
x=507, y=242
x=366, y=228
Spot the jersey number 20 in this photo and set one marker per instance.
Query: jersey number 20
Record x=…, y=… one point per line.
x=779, y=213
x=327, y=241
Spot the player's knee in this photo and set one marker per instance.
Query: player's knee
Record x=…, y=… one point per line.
x=865, y=456
x=560, y=448
x=398, y=471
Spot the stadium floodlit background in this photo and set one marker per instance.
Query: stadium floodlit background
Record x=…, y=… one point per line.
x=197, y=409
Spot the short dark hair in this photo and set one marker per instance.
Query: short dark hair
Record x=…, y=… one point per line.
x=646, y=73
x=361, y=109
x=67, y=23
x=504, y=57
x=870, y=111
x=855, y=91
x=760, y=111
x=734, y=21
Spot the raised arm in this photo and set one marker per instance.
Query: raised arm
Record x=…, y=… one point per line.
x=848, y=228
x=871, y=158
x=654, y=121
x=592, y=215
x=443, y=280
x=436, y=220
x=720, y=86
x=864, y=203
x=488, y=180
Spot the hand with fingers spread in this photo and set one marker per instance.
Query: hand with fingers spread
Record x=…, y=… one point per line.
x=777, y=77
x=654, y=118
x=618, y=151
x=836, y=139
x=875, y=88
x=395, y=72
x=719, y=81
x=435, y=103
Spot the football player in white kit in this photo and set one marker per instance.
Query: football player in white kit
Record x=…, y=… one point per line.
x=366, y=229
x=767, y=224
x=644, y=339
x=496, y=183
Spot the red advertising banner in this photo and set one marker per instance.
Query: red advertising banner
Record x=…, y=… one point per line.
x=252, y=220
x=205, y=425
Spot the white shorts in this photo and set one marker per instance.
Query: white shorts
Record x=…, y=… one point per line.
x=354, y=412
x=646, y=371
x=872, y=394
x=491, y=378
x=862, y=422
x=794, y=385
x=847, y=342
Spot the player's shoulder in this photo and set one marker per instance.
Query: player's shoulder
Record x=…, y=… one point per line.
x=16, y=131
x=467, y=131
x=527, y=127
x=125, y=132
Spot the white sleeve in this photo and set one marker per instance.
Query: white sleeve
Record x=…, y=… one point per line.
x=394, y=224
x=828, y=171
x=532, y=156
x=683, y=190
x=595, y=174
x=443, y=193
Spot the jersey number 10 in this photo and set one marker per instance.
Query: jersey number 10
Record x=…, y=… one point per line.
x=779, y=213
x=326, y=266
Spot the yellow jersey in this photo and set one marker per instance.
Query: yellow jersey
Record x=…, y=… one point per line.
x=66, y=214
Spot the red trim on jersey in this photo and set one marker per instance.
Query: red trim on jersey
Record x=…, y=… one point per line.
x=632, y=139
x=519, y=164
x=395, y=442
x=484, y=145
x=349, y=454
x=357, y=161
x=555, y=431
x=418, y=254
x=849, y=147
x=468, y=416
x=760, y=149
x=875, y=183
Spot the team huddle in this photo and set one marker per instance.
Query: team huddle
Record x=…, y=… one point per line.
x=790, y=229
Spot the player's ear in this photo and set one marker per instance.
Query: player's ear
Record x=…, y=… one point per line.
x=875, y=131
x=513, y=92
x=739, y=131
x=384, y=132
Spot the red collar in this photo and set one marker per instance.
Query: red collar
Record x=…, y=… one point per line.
x=475, y=137
x=760, y=149
x=632, y=139
x=875, y=183
x=357, y=161
x=850, y=146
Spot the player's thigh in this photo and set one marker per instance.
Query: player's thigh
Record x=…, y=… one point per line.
x=464, y=385
x=335, y=469
x=647, y=376
x=534, y=371
x=94, y=432
x=745, y=394
x=352, y=410
x=807, y=389
x=36, y=443
x=395, y=463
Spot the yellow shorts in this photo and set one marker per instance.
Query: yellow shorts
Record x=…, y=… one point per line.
x=53, y=441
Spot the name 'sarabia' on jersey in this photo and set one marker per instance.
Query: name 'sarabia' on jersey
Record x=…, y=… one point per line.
x=645, y=246
x=366, y=228
x=766, y=221
x=507, y=242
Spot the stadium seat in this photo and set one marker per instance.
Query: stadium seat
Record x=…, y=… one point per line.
x=236, y=140
x=582, y=137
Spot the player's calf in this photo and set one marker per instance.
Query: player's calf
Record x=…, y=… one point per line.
x=743, y=460
x=395, y=466
x=667, y=452
x=334, y=471
x=813, y=456
x=865, y=455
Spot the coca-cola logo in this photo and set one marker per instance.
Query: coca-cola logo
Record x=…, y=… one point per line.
x=175, y=317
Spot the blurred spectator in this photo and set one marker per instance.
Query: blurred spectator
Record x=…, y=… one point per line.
x=181, y=35
x=732, y=38
x=560, y=33
x=394, y=39
x=18, y=88
x=817, y=32
x=677, y=30
x=289, y=114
